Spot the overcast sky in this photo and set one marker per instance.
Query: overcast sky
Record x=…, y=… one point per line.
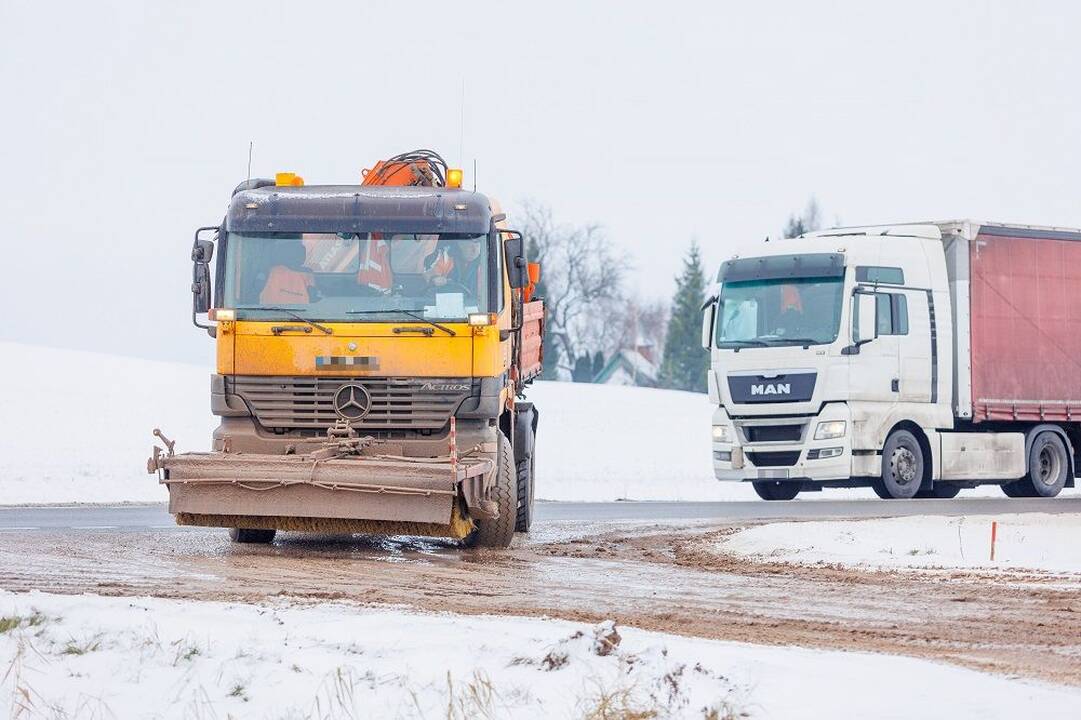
x=126, y=125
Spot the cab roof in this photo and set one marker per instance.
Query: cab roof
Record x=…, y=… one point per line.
x=356, y=208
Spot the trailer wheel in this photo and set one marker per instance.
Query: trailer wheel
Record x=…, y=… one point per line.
x=252, y=535
x=498, y=532
x=776, y=489
x=943, y=491
x=902, y=467
x=1048, y=467
x=526, y=483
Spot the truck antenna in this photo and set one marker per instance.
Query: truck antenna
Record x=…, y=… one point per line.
x=251, y=146
x=461, y=126
x=474, y=174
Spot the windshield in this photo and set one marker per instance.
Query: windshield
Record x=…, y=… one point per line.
x=789, y=311
x=356, y=277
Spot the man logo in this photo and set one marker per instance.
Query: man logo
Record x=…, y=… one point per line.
x=771, y=389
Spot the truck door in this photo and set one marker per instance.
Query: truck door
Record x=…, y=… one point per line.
x=875, y=373
x=910, y=322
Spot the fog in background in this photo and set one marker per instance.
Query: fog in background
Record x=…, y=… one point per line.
x=126, y=125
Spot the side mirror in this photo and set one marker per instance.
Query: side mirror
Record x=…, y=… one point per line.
x=709, y=316
x=865, y=327
x=517, y=266
x=202, y=251
x=200, y=288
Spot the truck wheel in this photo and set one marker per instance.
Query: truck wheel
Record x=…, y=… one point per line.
x=252, y=535
x=526, y=482
x=1048, y=467
x=902, y=467
x=498, y=532
x=1016, y=489
x=776, y=489
x=943, y=491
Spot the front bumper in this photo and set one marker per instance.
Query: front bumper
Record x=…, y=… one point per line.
x=790, y=458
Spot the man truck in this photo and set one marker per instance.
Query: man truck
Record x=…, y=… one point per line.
x=373, y=344
x=915, y=359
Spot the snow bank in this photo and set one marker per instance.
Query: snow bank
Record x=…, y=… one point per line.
x=1033, y=541
x=138, y=657
x=77, y=429
x=76, y=426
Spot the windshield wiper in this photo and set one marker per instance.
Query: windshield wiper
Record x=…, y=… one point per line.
x=736, y=345
x=410, y=313
x=805, y=342
x=293, y=314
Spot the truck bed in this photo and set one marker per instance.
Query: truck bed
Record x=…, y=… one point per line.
x=1025, y=324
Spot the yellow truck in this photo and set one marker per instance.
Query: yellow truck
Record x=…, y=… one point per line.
x=373, y=345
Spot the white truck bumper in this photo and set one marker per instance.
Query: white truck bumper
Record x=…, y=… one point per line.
x=782, y=448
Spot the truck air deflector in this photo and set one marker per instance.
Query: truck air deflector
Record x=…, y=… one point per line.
x=348, y=208
x=780, y=267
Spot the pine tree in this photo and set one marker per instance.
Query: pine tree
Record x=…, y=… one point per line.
x=685, y=361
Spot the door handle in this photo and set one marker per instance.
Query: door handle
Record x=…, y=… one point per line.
x=895, y=385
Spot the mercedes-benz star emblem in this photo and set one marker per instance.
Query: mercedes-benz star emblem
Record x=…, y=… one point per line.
x=352, y=402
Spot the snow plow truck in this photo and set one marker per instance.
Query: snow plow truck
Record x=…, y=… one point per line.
x=373, y=345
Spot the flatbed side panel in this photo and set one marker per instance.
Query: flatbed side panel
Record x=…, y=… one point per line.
x=532, y=350
x=1026, y=326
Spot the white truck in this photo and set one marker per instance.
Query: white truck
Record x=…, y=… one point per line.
x=915, y=359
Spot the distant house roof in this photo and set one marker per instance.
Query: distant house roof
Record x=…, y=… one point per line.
x=628, y=364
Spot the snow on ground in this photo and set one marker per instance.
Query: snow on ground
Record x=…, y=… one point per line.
x=77, y=427
x=140, y=657
x=1031, y=541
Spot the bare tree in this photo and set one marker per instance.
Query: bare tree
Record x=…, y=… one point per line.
x=807, y=221
x=583, y=283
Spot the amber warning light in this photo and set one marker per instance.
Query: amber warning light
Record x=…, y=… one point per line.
x=454, y=178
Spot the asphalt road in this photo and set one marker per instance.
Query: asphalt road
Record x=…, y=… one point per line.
x=142, y=517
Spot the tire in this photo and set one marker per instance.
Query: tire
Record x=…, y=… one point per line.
x=776, y=489
x=526, y=484
x=1048, y=468
x=942, y=491
x=880, y=489
x=1016, y=489
x=499, y=532
x=252, y=536
x=902, y=467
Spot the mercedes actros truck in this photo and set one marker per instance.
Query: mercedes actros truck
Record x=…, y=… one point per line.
x=915, y=359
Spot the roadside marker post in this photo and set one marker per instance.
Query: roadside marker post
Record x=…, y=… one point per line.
x=994, y=535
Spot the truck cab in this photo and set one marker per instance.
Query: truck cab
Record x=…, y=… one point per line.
x=834, y=363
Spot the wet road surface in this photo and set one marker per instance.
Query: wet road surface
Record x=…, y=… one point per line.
x=142, y=517
x=670, y=575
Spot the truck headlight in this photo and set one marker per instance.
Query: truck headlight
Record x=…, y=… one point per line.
x=830, y=429
x=721, y=433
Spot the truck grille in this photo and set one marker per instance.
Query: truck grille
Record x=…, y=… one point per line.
x=308, y=402
x=773, y=433
x=786, y=458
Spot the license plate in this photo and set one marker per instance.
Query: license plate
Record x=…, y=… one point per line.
x=781, y=474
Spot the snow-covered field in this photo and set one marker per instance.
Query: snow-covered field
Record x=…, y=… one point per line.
x=1030, y=541
x=98, y=657
x=76, y=429
x=79, y=427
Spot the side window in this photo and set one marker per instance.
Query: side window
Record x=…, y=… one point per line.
x=891, y=314
x=876, y=274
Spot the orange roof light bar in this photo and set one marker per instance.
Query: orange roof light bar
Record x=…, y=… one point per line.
x=288, y=179
x=454, y=178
